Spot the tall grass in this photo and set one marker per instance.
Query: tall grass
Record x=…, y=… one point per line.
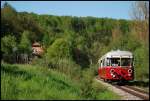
x=29, y=82
x=23, y=82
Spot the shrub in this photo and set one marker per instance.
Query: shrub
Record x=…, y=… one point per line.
x=59, y=49
x=7, y=45
x=141, y=63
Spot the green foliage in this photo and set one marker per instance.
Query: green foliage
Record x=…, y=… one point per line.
x=73, y=44
x=22, y=82
x=81, y=57
x=59, y=49
x=69, y=67
x=91, y=89
x=140, y=51
x=16, y=23
x=87, y=79
x=142, y=63
x=25, y=44
x=78, y=24
x=124, y=26
x=47, y=40
x=7, y=44
x=102, y=93
x=11, y=12
x=8, y=13
x=96, y=50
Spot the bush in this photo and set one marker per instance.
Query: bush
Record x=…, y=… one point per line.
x=86, y=84
x=141, y=63
x=25, y=44
x=7, y=45
x=59, y=49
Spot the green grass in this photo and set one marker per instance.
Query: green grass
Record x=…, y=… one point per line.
x=103, y=93
x=29, y=82
x=21, y=82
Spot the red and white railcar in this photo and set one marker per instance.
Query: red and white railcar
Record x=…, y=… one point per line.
x=116, y=66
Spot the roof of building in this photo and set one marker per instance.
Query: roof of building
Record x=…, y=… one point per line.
x=36, y=44
x=37, y=49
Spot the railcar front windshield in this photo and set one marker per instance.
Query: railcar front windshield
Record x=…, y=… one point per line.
x=121, y=61
x=115, y=61
x=126, y=61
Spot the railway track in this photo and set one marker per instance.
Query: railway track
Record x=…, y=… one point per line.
x=131, y=90
x=135, y=92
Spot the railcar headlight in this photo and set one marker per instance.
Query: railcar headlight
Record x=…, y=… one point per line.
x=130, y=71
x=113, y=76
x=112, y=71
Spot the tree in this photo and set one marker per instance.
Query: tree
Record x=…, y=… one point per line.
x=78, y=24
x=139, y=41
x=59, y=49
x=8, y=43
x=140, y=13
x=142, y=63
x=140, y=10
x=25, y=44
x=9, y=20
x=116, y=32
x=47, y=40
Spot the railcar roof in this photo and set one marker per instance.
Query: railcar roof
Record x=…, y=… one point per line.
x=117, y=53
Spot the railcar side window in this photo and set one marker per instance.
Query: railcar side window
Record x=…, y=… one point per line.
x=108, y=62
x=102, y=63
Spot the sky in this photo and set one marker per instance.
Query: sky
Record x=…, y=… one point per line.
x=109, y=9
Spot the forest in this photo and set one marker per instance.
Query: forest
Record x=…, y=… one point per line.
x=72, y=45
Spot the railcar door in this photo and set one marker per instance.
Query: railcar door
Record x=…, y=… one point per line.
x=101, y=69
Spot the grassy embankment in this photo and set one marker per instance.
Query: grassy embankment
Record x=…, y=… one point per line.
x=32, y=82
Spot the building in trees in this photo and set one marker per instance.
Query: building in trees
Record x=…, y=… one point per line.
x=37, y=49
